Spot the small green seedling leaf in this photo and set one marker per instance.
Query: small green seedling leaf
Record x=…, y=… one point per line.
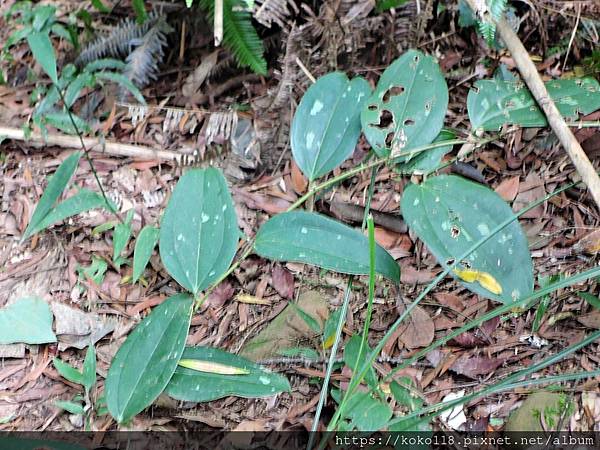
x=318, y=240
x=68, y=372
x=192, y=385
x=402, y=390
x=83, y=201
x=95, y=271
x=71, y=407
x=198, y=233
x=330, y=328
x=147, y=359
x=89, y=368
x=591, y=299
x=43, y=52
x=121, y=236
x=494, y=103
x=27, y=320
x=351, y=354
x=326, y=125
x=140, y=11
x=56, y=186
x=450, y=215
x=212, y=367
x=366, y=413
x=144, y=246
x=408, y=106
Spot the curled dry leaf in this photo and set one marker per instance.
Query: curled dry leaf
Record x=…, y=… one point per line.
x=589, y=244
x=475, y=366
x=418, y=330
x=282, y=281
x=508, y=189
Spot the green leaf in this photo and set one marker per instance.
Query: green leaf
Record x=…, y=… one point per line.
x=140, y=11
x=80, y=82
x=450, y=214
x=367, y=413
x=103, y=64
x=68, y=372
x=239, y=34
x=318, y=240
x=84, y=200
x=42, y=15
x=62, y=121
x=194, y=386
x=591, y=299
x=100, y=6
x=430, y=160
x=27, y=320
x=330, y=328
x=121, y=236
x=55, y=187
x=404, y=395
x=326, y=125
x=147, y=359
x=95, y=271
x=43, y=52
x=494, y=103
x=384, y=5
x=351, y=351
x=71, y=407
x=144, y=246
x=408, y=106
x=199, y=234
x=89, y=368
x=124, y=82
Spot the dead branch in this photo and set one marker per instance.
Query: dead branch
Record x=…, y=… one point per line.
x=92, y=144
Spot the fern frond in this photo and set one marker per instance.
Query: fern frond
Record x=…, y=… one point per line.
x=117, y=43
x=142, y=63
x=497, y=8
x=239, y=34
x=269, y=11
x=487, y=30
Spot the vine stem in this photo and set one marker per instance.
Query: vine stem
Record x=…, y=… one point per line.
x=87, y=155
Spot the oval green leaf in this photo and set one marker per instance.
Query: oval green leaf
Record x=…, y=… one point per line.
x=144, y=246
x=56, y=185
x=318, y=240
x=408, y=106
x=147, y=359
x=27, y=320
x=43, y=52
x=494, y=103
x=192, y=385
x=326, y=125
x=450, y=215
x=199, y=234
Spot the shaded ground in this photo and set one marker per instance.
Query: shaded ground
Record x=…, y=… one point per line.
x=339, y=35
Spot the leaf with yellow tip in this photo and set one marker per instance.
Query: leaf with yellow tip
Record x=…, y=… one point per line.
x=483, y=278
x=212, y=367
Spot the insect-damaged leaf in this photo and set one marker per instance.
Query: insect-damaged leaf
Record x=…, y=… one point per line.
x=408, y=106
x=318, y=240
x=147, y=359
x=493, y=103
x=198, y=233
x=203, y=386
x=451, y=214
x=326, y=125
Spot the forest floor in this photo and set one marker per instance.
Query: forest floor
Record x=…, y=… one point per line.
x=196, y=117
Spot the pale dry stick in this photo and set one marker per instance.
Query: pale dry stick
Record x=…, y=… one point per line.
x=93, y=144
x=218, y=22
x=572, y=37
x=304, y=69
x=538, y=90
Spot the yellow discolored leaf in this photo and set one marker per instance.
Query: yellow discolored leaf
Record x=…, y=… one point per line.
x=486, y=280
x=212, y=367
x=251, y=299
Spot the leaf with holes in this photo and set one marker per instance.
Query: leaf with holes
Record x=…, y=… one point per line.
x=408, y=106
x=147, y=359
x=318, y=240
x=494, y=103
x=199, y=234
x=250, y=381
x=429, y=160
x=326, y=125
x=450, y=215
